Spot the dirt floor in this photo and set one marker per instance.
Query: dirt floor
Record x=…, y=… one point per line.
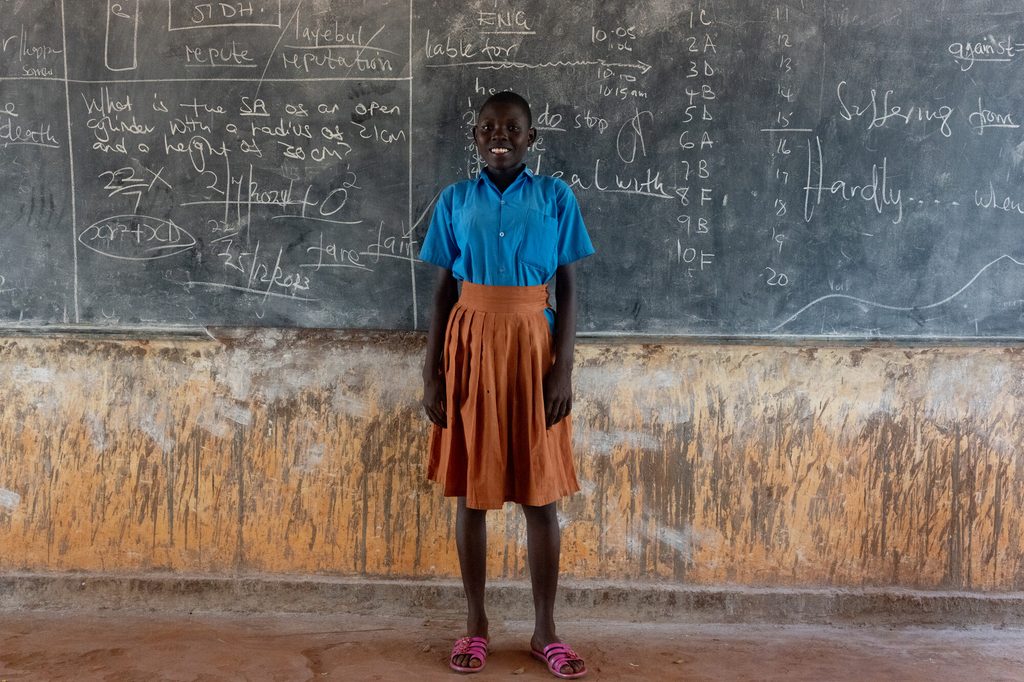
x=127, y=647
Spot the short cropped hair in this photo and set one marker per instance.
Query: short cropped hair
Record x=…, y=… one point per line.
x=509, y=97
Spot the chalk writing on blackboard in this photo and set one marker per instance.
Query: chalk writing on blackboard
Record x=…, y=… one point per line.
x=275, y=162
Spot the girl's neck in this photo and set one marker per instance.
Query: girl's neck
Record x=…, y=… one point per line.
x=502, y=179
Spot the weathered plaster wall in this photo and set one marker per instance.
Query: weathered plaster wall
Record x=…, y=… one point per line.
x=302, y=453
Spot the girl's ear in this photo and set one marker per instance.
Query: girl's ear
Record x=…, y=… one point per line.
x=533, y=137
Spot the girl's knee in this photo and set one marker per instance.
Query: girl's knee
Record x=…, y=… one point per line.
x=469, y=512
x=545, y=514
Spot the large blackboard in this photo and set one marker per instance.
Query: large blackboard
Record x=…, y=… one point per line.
x=811, y=168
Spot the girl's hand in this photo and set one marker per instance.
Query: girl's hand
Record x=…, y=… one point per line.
x=434, y=400
x=557, y=394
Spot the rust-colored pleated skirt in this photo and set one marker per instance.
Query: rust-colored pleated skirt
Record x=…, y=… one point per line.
x=496, y=448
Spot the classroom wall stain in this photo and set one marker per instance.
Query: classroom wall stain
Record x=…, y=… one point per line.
x=9, y=500
x=302, y=453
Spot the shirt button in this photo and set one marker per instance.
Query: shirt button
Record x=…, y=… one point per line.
x=501, y=234
x=501, y=269
x=502, y=202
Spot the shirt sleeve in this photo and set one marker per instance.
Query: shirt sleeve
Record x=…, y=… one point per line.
x=439, y=245
x=573, y=241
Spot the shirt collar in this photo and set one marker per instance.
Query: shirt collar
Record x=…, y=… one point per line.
x=482, y=177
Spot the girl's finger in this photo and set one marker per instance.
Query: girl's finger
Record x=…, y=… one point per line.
x=554, y=415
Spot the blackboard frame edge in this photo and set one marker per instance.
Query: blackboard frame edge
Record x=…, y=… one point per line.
x=239, y=335
x=800, y=341
x=100, y=332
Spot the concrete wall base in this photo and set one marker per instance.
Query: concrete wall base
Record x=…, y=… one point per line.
x=507, y=599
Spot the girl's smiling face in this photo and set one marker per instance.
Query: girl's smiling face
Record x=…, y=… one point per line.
x=503, y=135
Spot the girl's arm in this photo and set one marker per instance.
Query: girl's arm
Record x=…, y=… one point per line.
x=558, y=380
x=446, y=293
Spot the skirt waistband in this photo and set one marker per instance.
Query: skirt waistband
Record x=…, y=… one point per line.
x=501, y=299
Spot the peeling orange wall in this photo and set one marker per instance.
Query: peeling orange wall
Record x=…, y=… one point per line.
x=303, y=453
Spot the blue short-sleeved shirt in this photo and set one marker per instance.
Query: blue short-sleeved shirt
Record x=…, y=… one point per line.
x=515, y=238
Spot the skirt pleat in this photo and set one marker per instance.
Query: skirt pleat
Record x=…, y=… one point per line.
x=496, y=448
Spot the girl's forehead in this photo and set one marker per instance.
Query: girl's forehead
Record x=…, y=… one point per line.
x=503, y=110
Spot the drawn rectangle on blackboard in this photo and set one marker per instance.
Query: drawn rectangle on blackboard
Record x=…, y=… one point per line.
x=185, y=16
x=121, y=45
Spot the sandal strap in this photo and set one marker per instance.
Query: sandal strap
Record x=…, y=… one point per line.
x=558, y=654
x=474, y=646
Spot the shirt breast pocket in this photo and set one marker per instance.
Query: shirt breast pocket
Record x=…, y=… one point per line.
x=540, y=240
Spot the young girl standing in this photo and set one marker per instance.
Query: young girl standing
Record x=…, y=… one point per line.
x=497, y=380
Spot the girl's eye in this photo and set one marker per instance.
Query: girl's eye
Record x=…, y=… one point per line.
x=514, y=129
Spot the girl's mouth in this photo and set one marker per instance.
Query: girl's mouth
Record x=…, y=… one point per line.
x=498, y=151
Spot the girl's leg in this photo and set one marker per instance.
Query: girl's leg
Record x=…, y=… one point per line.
x=471, y=539
x=544, y=545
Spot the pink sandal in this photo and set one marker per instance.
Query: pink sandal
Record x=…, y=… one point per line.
x=556, y=655
x=474, y=647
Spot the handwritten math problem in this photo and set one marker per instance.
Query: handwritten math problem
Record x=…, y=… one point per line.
x=804, y=167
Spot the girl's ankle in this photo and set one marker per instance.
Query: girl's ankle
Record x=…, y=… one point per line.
x=476, y=626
